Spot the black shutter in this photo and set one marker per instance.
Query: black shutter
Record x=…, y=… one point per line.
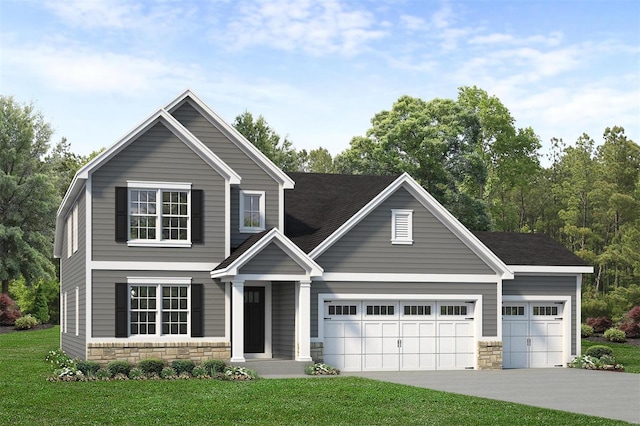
x=197, y=310
x=121, y=214
x=197, y=207
x=122, y=302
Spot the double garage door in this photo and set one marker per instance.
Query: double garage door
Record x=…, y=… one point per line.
x=374, y=335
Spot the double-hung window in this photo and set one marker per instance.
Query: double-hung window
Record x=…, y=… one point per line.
x=159, y=309
x=159, y=213
x=252, y=211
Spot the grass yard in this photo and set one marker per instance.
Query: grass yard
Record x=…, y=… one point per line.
x=625, y=354
x=27, y=398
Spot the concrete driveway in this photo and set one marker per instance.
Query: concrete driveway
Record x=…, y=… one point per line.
x=596, y=393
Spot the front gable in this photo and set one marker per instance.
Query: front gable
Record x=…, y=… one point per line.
x=272, y=260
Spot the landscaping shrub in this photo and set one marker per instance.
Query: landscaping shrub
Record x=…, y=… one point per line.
x=214, y=366
x=199, y=372
x=41, y=306
x=151, y=366
x=631, y=322
x=119, y=367
x=607, y=360
x=137, y=374
x=59, y=359
x=598, y=351
x=600, y=324
x=615, y=335
x=239, y=373
x=320, y=369
x=88, y=368
x=592, y=363
x=183, y=365
x=103, y=374
x=586, y=330
x=9, y=311
x=26, y=322
x=168, y=373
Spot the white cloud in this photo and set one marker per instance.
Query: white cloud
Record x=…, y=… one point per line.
x=314, y=27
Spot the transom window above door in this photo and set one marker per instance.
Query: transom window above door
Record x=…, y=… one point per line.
x=252, y=211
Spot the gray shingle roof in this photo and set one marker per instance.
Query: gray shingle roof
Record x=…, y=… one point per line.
x=529, y=249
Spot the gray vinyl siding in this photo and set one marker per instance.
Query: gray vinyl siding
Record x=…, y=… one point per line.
x=104, y=294
x=546, y=286
x=72, y=275
x=283, y=319
x=159, y=156
x=271, y=260
x=367, y=248
x=253, y=176
x=487, y=290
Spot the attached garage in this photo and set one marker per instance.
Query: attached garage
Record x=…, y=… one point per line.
x=378, y=335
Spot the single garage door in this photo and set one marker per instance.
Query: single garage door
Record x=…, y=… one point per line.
x=532, y=335
x=374, y=335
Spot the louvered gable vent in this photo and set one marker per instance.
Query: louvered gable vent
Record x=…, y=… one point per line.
x=402, y=226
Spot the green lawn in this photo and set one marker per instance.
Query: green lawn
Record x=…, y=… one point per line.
x=27, y=398
x=627, y=355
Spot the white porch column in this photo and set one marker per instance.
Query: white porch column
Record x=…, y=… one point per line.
x=237, y=321
x=303, y=317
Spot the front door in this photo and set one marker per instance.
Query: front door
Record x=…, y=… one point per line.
x=254, y=321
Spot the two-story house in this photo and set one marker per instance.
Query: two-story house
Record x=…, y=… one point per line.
x=182, y=240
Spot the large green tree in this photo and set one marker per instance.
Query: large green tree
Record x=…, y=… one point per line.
x=28, y=196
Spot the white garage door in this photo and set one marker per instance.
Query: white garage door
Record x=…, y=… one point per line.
x=532, y=335
x=399, y=335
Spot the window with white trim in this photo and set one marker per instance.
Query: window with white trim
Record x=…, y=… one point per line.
x=72, y=231
x=159, y=213
x=159, y=309
x=401, y=226
x=77, y=317
x=252, y=211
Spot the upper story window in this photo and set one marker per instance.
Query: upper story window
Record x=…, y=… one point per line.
x=72, y=231
x=252, y=211
x=401, y=226
x=158, y=214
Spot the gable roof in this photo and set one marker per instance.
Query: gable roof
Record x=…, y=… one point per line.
x=321, y=203
x=533, y=249
x=161, y=116
x=255, y=244
x=234, y=136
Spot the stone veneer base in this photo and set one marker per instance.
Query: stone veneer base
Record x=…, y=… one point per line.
x=489, y=355
x=317, y=351
x=133, y=352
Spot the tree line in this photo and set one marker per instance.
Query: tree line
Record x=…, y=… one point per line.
x=467, y=152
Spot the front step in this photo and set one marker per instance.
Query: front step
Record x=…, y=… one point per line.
x=274, y=367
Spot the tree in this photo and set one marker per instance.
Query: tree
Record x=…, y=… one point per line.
x=318, y=160
x=435, y=142
x=28, y=197
x=260, y=134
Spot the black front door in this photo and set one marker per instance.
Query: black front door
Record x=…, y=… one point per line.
x=254, y=320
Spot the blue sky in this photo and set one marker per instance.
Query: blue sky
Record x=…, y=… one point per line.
x=319, y=70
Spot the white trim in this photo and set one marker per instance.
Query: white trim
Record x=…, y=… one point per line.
x=265, y=277
x=241, y=211
x=178, y=186
x=567, y=318
x=66, y=312
x=578, y=319
x=237, y=307
x=234, y=136
x=281, y=207
x=396, y=215
x=162, y=243
x=77, y=318
x=411, y=278
x=227, y=311
x=158, y=339
x=74, y=214
x=118, y=265
x=88, y=249
x=159, y=280
x=227, y=221
x=303, y=321
x=551, y=270
x=435, y=208
x=69, y=228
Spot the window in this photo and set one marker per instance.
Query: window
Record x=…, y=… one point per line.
x=545, y=310
x=158, y=214
x=380, y=310
x=159, y=310
x=402, y=226
x=417, y=310
x=72, y=231
x=342, y=310
x=77, y=317
x=453, y=310
x=252, y=211
x=513, y=310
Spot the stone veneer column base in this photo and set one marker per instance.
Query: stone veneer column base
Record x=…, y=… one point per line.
x=489, y=355
x=169, y=351
x=317, y=351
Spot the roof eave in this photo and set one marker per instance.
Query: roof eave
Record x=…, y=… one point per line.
x=537, y=269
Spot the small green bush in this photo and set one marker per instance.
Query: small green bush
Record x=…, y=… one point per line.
x=137, y=374
x=199, y=372
x=586, y=330
x=88, y=368
x=26, y=322
x=151, y=365
x=183, y=365
x=598, y=351
x=59, y=359
x=214, y=366
x=607, y=360
x=320, y=369
x=103, y=374
x=239, y=373
x=119, y=367
x=168, y=373
x=615, y=335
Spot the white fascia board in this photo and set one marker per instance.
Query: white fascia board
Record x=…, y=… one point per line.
x=120, y=265
x=433, y=206
x=409, y=278
x=284, y=243
x=236, y=137
x=550, y=270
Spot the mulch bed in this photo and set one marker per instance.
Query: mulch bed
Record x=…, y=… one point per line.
x=4, y=329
